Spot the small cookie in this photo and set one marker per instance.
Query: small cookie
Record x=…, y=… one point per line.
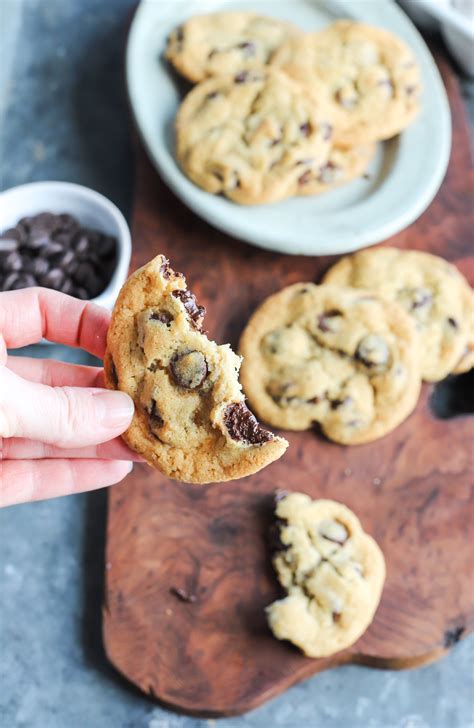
x=370, y=77
x=344, y=165
x=253, y=136
x=332, y=570
x=209, y=45
x=342, y=358
x=190, y=418
x=431, y=290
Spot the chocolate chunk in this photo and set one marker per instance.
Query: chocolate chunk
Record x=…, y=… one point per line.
x=113, y=373
x=241, y=77
x=51, y=248
x=452, y=636
x=195, y=312
x=189, y=369
x=248, y=47
x=67, y=287
x=325, y=320
x=156, y=419
x=373, y=352
x=39, y=267
x=164, y=317
x=452, y=322
x=82, y=245
x=243, y=426
x=81, y=293
x=336, y=616
x=306, y=129
x=84, y=274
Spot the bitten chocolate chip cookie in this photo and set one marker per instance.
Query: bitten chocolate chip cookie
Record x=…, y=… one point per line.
x=370, y=76
x=433, y=292
x=254, y=136
x=344, y=164
x=208, y=45
x=340, y=357
x=333, y=573
x=190, y=419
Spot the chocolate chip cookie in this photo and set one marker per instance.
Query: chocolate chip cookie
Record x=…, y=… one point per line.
x=433, y=292
x=371, y=78
x=343, y=165
x=209, y=45
x=254, y=136
x=338, y=357
x=190, y=421
x=333, y=573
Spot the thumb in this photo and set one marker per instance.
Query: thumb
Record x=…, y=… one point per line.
x=63, y=416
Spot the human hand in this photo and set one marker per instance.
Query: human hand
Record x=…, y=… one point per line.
x=58, y=428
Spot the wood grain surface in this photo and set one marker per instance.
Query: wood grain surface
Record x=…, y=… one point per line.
x=188, y=572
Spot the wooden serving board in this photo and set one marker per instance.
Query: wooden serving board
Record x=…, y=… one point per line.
x=213, y=654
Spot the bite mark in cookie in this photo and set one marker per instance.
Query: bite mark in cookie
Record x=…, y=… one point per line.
x=190, y=418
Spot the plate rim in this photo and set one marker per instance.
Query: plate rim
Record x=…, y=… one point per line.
x=201, y=202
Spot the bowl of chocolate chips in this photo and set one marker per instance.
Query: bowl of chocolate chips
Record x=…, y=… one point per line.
x=63, y=236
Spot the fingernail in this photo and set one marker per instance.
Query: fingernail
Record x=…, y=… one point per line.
x=114, y=409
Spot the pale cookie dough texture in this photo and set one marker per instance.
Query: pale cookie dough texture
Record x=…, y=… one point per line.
x=209, y=45
x=190, y=418
x=369, y=76
x=344, y=165
x=431, y=290
x=256, y=136
x=338, y=357
x=332, y=571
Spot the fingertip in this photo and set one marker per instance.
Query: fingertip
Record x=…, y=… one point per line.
x=115, y=409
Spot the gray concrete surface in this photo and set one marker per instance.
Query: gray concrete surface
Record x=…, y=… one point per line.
x=64, y=117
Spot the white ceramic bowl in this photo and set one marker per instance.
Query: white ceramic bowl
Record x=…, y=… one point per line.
x=89, y=207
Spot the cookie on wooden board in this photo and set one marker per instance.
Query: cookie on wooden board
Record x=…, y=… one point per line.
x=332, y=571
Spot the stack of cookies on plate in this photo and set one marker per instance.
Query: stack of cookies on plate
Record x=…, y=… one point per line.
x=349, y=355
x=277, y=112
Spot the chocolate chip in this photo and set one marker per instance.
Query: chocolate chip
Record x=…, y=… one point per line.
x=452, y=322
x=51, y=248
x=410, y=90
x=54, y=278
x=156, y=419
x=189, y=369
x=9, y=281
x=84, y=274
x=67, y=287
x=325, y=322
x=81, y=293
x=421, y=297
x=12, y=262
x=373, y=353
x=82, y=245
x=164, y=317
x=452, y=636
x=306, y=129
x=243, y=426
x=212, y=95
x=180, y=33
x=39, y=267
x=195, y=312
x=305, y=177
x=336, y=403
x=241, y=77
x=113, y=373
x=248, y=47
x=22, y=281
x=336, y=616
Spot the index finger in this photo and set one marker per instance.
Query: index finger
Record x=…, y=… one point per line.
x=28, y=315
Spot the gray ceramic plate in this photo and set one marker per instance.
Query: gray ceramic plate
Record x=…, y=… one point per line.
x=403, y=178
